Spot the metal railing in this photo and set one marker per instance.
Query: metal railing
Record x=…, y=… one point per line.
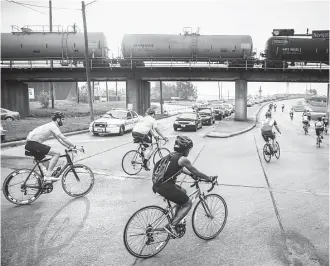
x=210, y=63
x=27, y=29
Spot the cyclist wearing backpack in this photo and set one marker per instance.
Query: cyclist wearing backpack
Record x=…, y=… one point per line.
x=164, y=178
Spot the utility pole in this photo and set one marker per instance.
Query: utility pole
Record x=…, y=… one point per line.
x=51, y=61
x=106, y=88
x=87, y=62
x=161, y=96
x=116, y=90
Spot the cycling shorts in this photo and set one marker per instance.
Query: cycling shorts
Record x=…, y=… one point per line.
x=139, y=137
x=318, y=131
x=172, y=192
x=268, y=134
x=38, y=150
x=305, y=122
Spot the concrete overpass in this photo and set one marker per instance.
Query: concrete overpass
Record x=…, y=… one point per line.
x=138, y=86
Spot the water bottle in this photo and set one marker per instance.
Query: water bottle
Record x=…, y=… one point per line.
x=58, y=169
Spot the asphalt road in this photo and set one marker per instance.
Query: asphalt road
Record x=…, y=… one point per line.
x=278, y=211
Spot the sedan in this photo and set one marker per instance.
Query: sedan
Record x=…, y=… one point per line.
x=117, y=121
x=188, y=121
x=9, y=115
x=219, y=112
x=207, y=115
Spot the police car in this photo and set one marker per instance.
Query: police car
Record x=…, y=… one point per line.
x=116, y=121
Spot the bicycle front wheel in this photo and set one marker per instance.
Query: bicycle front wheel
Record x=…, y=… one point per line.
x=160, y=153
x=267, y=152
x=144, y=234
x=278, y=150
x=78, y=180
x=132, y=162
x=209, y=216
x=16, y=192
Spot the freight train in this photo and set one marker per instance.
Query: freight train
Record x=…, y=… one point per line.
x=283, y=49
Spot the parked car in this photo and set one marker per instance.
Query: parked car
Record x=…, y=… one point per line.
x=3, y=134
x=117, y=121
x=207, y=114
x=188, y=121
x=230, y=108
x=9, y=115
x=218, y=111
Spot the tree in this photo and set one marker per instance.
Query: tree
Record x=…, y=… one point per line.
x=312, y=91
x=186, y=90
x=43, y=97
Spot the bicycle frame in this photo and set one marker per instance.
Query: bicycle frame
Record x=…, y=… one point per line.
x=154, y=150
x=68, y=164
x=169, y=209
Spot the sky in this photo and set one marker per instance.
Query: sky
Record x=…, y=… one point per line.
x=116, y=18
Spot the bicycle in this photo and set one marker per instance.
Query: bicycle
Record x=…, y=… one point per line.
x=34, y=185
x=268, y=150
x=305, y=127
x=135, y=158
x=151, y=228
x=319, y=140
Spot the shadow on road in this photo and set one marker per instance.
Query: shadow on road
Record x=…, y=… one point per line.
x=62, y=228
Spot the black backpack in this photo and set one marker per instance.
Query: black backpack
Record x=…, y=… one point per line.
x=160, y=169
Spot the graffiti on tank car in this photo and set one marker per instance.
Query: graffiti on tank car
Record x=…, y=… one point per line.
x=144, y=46
x=280, y=41
x=291, y=50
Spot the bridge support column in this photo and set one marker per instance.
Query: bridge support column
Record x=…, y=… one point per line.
x=138, y=94
x=240, y=100
x=15, y=97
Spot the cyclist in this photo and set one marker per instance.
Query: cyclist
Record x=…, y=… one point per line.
x=34, y=143
x=179, y=163
x=291, y=112
x=319, y=127
x=143, y=132
x=283, y=107
x=266, y=129
x=308, y=113
x=325, y=120
x=275, y=107
x=270, y=106
x=305, y=119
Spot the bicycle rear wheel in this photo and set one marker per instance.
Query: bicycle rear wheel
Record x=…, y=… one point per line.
x=141, y=238
x=132, y=162
x=267, y=152
x=16, y=193
x=278, y=150
x=82, y=184
x=210, y=213
x=162, y=152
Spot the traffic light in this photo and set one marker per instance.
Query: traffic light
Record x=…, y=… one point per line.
x=283, y=32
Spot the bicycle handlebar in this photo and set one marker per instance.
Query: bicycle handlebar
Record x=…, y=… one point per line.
x=214, y=182
x=76, y=149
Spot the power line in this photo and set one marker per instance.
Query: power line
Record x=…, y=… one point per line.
x=21, y=4
x=90, y=3
x=54, y=7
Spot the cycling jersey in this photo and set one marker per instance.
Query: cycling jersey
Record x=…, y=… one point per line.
x=267, y=124
x=305, y=118
x=168, y=188
x=319, y=124
x=42, y=133
x=145, y=124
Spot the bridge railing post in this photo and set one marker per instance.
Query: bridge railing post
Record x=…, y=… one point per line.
x=320, y=66
x=209, y=63
x=265, y=64
x=131, y=63
x=246, y=64
x=171, y=63
x=151, y=63
x=283, y=65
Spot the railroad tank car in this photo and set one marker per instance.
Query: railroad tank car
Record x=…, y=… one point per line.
x=297, y=49
x=41, y=46
x=195, y=46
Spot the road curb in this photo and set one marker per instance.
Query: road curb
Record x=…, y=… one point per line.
x=238, y=132
x=15, y=143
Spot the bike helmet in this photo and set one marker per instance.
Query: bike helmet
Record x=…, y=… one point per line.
x=268, y=114
x=57, y=115
x=183, y=143
x=150, y=111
